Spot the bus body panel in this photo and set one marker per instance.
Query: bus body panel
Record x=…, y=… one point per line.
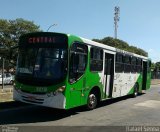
x=76, y=93
x=124, y=83
x=79, y=90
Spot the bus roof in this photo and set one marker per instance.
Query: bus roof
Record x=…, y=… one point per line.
x=110, y=48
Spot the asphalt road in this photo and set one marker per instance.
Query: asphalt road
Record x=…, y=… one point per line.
x=125, y=111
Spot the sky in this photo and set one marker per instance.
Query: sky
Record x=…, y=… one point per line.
x=139, y=23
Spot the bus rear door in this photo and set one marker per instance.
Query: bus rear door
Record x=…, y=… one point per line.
x=108, y=75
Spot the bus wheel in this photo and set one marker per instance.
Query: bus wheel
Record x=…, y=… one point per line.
x=92, y=101
x=135, y=93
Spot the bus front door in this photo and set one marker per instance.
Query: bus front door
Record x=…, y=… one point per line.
x=108, y=75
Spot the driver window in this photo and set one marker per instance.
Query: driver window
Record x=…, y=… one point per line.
x=78, y=61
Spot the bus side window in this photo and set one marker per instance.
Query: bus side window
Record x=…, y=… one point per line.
x=139, y=65
x=119, y=67
x=127, y=63
x=133, y=64
x=96, y=59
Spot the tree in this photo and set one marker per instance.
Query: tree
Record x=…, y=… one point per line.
x=120, y=44
x=10, y=31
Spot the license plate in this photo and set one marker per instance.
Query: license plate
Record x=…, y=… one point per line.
x=41, y=89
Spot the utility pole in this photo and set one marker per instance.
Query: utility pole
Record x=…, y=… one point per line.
x=116, y=19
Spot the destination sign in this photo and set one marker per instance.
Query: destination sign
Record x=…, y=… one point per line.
x=33, y=40
x=43, y=39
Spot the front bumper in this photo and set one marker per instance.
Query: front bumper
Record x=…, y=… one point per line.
x=48, y=100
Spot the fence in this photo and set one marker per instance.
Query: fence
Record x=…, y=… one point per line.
x=155, y=75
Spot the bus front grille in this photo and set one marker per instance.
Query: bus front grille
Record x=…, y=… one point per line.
x=32, y=99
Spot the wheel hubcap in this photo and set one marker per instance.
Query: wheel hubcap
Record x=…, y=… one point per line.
x=92, y=101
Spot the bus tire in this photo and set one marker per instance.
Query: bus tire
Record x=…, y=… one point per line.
x=135, y=93
x=92, y=101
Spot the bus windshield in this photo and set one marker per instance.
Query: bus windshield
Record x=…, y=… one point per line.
x=43, y=65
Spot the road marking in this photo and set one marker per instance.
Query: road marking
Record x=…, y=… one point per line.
x=149, y=104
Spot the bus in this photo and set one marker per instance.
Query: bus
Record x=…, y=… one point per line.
x=65, y=71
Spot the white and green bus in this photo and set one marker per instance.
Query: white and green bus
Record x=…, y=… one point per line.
x=65, y=71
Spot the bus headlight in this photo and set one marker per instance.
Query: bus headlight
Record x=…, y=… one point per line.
x=59, y=90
